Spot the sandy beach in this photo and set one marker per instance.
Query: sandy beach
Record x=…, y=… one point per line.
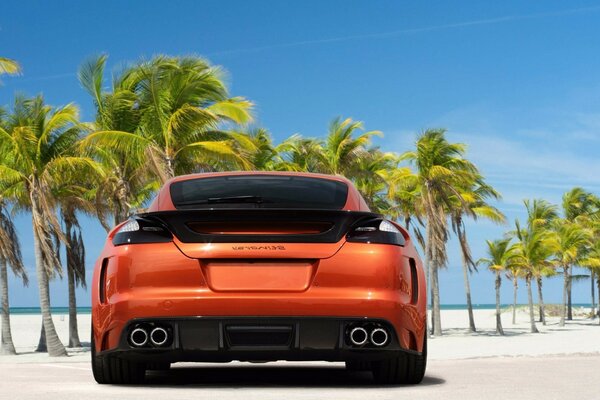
x=580, y=336
x=554, y=364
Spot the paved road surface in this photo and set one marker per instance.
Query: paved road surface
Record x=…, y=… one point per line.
x=568, y=377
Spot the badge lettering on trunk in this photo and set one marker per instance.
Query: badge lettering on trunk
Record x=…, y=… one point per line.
x=274, y=247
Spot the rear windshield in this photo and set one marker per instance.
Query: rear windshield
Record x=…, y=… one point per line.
x=259, y=191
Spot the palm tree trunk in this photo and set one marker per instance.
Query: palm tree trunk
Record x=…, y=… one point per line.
x=468, y=293
x=6, y=346
x=41, y=347
x=569, y=298
x=428, y=275
x=73, y=333
x=592, y=277
x=563, y=311
x=598, y=281
x=55, y=347
x=530, y=300
x=499, y=329
x=515, y=289
x=541, y=301
x=170, y=168
x=437, y=317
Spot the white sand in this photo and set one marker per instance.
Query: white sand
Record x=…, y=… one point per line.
x=577, y=337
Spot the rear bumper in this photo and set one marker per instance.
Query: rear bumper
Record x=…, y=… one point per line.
x=407, y=322
x=223, y=339
x=157, y=281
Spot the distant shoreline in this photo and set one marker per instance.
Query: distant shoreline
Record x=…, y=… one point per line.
x=88, y=310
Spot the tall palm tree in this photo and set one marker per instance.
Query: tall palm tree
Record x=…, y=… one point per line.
x=571, y=240
x=35, y=146
x=592, y=261
x=73, y=195
x=125, y=176
x=183, y=104
x=440, y=170
x=535, y=245
x=473, y=203
x=540, y=215
x=10, y=253
x=514, y=272
x=500, y=255
x=590, y=256
x=577, y=203
x=405, y=194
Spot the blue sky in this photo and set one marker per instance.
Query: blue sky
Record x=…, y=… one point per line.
x=519, y=82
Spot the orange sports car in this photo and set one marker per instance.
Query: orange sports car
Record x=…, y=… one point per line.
x=258, y=266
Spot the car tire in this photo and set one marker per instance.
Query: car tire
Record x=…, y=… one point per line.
x=113, y=370
x=356, y=366
x=405, y=368
x=158, y=366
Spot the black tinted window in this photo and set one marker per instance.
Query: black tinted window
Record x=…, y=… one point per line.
x=263, y=191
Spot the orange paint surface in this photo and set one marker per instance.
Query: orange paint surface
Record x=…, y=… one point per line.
x=176, y=279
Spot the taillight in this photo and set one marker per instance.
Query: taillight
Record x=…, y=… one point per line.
x=378, y=231
x=142, y=230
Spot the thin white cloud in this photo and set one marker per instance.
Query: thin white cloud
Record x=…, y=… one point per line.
x=376, y=35
x=401, y=32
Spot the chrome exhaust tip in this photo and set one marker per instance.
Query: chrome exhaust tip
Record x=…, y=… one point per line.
x=138, y=337
x=159, y=336
x=379, y=337
x=358, y=336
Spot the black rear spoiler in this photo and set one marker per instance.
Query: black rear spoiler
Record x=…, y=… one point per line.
x=178, y=222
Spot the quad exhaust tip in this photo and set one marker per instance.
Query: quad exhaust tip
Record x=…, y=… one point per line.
x=379, y=337
x=138, y=337
x=159, y=336
x=358, y=336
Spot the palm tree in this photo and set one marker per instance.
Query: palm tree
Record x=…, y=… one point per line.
x=473, y=203
x=500, y=255
x=124, y=183
x=8, y=66
x=540, y=214
x=300, y=154
x=35, y=145
x=372, y=178
x=256, y=146
x=10, y=253
x=514, y=272
x=577, y=203
x=73, y=195
x=571, y=240
x=440, y=170
x=535, y=245
x=342, y=149
x=183, y=103
x=590, y=257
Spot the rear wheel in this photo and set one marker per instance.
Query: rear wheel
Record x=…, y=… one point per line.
x=356, y=366
x=110, y=369
x=403, y=369
x=159, y=366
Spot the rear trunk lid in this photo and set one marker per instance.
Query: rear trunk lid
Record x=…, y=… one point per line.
x=260, y=250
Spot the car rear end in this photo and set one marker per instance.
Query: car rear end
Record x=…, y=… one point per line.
x=258, y=267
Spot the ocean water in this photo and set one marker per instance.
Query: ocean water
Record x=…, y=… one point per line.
x=88, y=310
